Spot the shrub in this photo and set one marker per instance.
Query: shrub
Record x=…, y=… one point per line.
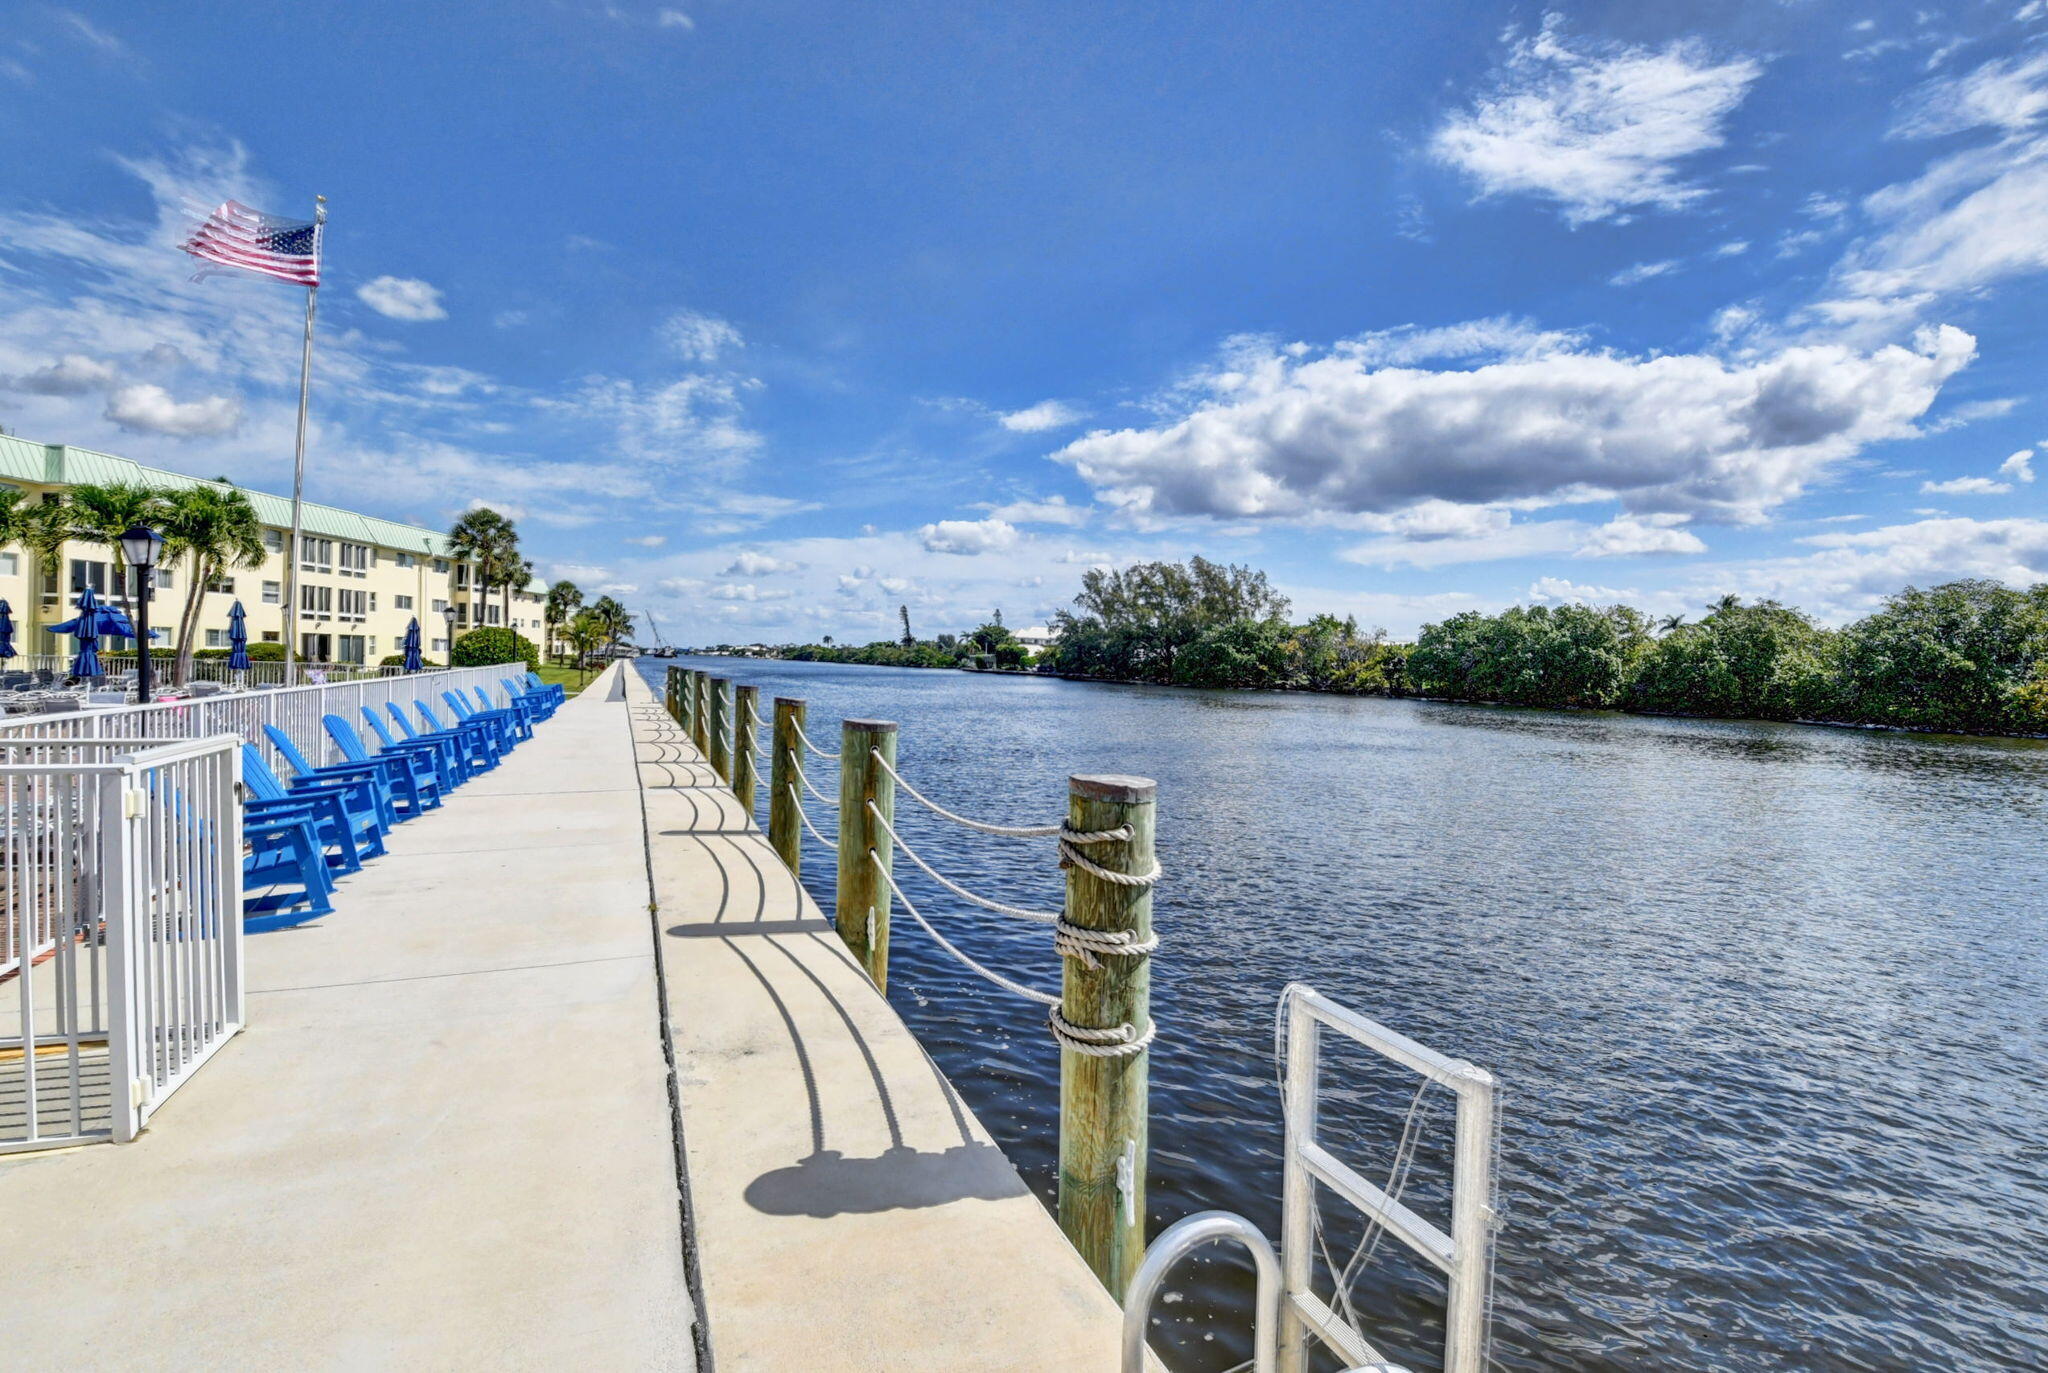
x=398, y=660
x=264, y=652
x=489, y=646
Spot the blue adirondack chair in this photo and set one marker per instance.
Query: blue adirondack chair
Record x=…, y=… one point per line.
x=369, y=785
x=506, y=722
x=454, y=769
x=519, y=720
x=419, y=782
x=542, y=703
x=480, y=736
x=530, y=713
x=344, y=833
x=555, y=691
x=282, y=871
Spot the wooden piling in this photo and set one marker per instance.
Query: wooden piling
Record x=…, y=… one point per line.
x=746, y=704
x=786, y=759
x=1104, y=1112
x=862, y=908
x=699, y=688
x=721, y=717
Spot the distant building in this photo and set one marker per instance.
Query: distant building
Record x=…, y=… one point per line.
x=361, y=579
x=1036, y=637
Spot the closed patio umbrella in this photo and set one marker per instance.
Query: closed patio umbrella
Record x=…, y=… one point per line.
x=85, y=627
x=6, y=631
x=412, y=645
x=238, y=639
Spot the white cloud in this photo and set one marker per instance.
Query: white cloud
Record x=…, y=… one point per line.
x=84, y=28
x=648, y=540
x=1635, y=535
x=1851, y=572
x=674, y=19
x=1642, y=271
x=1495, y=338
x=2009, y=93
x=1053, y=510
x=74, y=374
x=753, y=564
x=2020, y=466
x=402, y=298
x=1565, y=591
x=968, y=538
x=699, y=337
x=1282, y=437
x=149, y=408
x=1526, y=539
x=1036, y=419
x=747, y=591
x=1735, y=247
x=1599, y=129
x=508, y=319
x=694, y=417
x=1965, y=486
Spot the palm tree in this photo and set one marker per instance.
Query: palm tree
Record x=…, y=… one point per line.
x=486, y=541
x=1670, y=623
x=565, y=598
x=617, y=623
x=43, y=530
x=586, y=633
x=217, y=529
x=102, y=513
x=517, y=573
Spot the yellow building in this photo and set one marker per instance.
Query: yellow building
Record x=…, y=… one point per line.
x=361, y=579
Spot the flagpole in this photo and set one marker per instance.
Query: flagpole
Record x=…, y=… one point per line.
x=291, y=570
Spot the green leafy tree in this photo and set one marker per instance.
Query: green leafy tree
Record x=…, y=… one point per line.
x=493, y=644
x=617, y=623
x=489, y=543
x=586, y=633
x=565, y=598
x=100, y=514
x=215, y=530
x=1952, y=657
x=1134, y=623
x=1764, y=661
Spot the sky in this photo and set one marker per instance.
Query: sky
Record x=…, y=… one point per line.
x=771, y=318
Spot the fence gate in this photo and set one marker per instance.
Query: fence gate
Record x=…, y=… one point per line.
x=120, y=929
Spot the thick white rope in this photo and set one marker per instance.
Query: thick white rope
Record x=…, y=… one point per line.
x=1006, y=831
x=796, y=766
x=1043, y=917
x=822, y=753
x=1083, y=945
x=1028, y=993
x=801, y=815
x=1118, y=1042
x=1071, y=856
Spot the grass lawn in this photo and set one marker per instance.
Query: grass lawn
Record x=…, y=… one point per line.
x=568, y=678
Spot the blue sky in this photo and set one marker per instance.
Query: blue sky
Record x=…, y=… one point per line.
x=770, y=317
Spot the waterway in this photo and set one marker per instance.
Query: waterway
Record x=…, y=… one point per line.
x=1769, y=1003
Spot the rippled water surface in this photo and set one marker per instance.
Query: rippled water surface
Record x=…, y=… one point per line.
x=1766, y=1001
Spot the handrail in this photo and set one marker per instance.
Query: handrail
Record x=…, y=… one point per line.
x=1175, y=1243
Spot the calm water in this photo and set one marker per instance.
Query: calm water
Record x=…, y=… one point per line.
x=1767, y=1002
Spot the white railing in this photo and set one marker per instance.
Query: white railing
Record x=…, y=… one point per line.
x=259, y=673
x=121, y=899
x=294, y=710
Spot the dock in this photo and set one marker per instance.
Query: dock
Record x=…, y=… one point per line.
x=577, y=1075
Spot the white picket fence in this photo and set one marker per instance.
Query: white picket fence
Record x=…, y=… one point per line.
x=120, y=929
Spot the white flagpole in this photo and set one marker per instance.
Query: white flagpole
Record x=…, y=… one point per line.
x=291, y=567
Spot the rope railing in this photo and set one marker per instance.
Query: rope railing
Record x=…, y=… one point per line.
x=985, y=827
x=1028, y=993
x=822, y=753
x=805, y=778
x=987, y=903
x=804, y=816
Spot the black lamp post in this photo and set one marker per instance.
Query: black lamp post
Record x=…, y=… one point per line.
x=139, y=545
x=448, y=655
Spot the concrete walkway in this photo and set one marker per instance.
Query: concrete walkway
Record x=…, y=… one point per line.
x=444, y=1141
x=848, y=1210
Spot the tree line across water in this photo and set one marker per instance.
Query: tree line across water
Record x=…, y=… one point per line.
x=1968, y=655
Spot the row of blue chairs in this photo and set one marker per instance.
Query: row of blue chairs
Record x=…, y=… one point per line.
x=303, y=832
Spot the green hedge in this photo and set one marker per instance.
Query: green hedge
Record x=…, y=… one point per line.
x=489, y=646
x=264, y=652
x=398, y=660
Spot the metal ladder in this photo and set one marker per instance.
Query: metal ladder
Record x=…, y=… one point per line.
x=1287, y=1312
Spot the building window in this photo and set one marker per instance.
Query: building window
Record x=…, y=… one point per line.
x=440, y=564
x=401, y=603
x=462, y=577
x=440, y=607
x=316, y=555
x=220, y=585
x=10, y=564
x=352, y=648
x=88, y=574
x=405, y=560
x=270, y=636
x=273, y=593
x=317, y=600
x=373, y=603
x=216, y=638
x=356, y=558
x=273, y=539
x=440, y=646
x=490, y=614
x=353, y=603
x=163, y=577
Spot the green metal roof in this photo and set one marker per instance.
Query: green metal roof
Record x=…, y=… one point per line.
x=60, y=464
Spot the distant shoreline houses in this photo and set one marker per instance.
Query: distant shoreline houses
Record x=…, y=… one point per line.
x=361, y=581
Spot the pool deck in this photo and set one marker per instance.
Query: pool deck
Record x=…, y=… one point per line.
x=449, y=1136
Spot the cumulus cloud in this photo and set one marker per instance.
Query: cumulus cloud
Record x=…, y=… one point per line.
x=699, y=337
x=403, y=298
x=148, y=408
x=968, y=538
x=1597, y=128
x=1635, y=535
x=747, y=591
x=2020, y=466
x=1965, y=486
x=1036, y=419
x=752, y=564
x=1563, y=590
x=1278, y=436
x=74, y=374
x=1850, y=572
x=1053, y=510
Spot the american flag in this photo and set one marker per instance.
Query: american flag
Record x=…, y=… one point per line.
x=236, y=236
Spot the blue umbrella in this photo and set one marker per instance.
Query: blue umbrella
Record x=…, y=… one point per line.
x=108, y=621
x=86, y=629
x=6, y=630
x=412, y=645
x=238, y=639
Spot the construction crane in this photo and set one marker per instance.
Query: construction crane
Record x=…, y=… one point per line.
x=662, y=649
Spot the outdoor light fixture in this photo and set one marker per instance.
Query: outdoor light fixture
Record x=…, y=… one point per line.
x=139, y=545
